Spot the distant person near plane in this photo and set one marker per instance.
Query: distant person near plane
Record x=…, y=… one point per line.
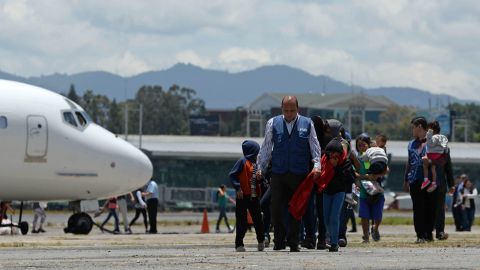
x=140, y=208
x=39, y=208
x=152, y=196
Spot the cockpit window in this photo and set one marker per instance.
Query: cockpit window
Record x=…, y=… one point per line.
x=81, y=119
x=3, y=122
x=69, y=118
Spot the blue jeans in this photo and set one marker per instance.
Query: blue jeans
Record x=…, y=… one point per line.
x=332, y=207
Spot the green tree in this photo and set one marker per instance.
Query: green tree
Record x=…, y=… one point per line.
x=165, y=112
x=97, y=107
x=394, y=123
x=471, y=113
x=114, y=122
x=72, y=95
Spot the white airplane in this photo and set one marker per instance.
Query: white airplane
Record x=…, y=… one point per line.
x=51, y=150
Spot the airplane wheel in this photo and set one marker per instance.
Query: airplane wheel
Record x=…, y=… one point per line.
x=79, y=223
x=23, y=227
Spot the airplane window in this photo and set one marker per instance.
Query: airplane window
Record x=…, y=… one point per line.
x=3, y=122
x=87, y=117
x=69, y=118
x=81, y=119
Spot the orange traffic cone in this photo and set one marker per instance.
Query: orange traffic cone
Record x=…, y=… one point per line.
x=205, y=226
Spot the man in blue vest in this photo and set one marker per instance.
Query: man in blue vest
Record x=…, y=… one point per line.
x=291, y=145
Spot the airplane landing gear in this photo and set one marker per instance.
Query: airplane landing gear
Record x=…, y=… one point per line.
x=79, y=223
x=23, y=227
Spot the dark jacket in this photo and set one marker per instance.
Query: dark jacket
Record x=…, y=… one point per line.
x=244, y=169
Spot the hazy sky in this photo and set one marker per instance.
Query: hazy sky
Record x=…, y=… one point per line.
x=431, y=44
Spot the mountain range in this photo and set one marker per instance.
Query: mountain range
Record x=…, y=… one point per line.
x=225, y=90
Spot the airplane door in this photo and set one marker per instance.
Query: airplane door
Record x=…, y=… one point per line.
x=37, y=135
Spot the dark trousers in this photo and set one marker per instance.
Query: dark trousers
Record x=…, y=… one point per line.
x=468, y=216
x=253, y=206
x=424, y=208
x=152, y=205
x=440, y=213
x=265, y=205
x=321, y=221
x=283, y=187
x=139, y=211
x=223, y=214
x=309, y=220
x=457, y=217
x=352, y=218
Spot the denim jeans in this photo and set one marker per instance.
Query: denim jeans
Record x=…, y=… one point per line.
x=332, y=207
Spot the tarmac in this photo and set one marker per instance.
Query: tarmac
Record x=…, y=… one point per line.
x=179, y=245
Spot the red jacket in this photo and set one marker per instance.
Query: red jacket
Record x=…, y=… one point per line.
x=298, y=202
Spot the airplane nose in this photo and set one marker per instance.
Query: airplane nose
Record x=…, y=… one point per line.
x=138, y=168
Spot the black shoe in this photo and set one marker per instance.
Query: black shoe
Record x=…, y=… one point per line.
x=34, y=231
x=342, y=242
x=321, y=244
x=353, y=230
x=279, y=246
x=333, y=248
x=308, y=243
x=41, y=230
x=294, y=248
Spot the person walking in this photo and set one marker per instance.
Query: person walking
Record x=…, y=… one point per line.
x=140, y=208
x=122, y=208
x=152, y=196
x=248, y=189
x=222, y=198
x=291, y=144
x=39, y=209
x=424, y=203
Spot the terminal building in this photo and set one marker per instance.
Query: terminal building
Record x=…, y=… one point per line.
x=201, y=161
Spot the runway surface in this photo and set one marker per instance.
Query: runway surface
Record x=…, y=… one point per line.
x=183, y=247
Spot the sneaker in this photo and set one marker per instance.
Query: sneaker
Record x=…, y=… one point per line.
x=432, y=187
x=34, y=231
x=342, y=242
x=240, y=249
x=365, y=240
x=231, y=230
x=41, y=230
x=333, y=248
x=442, y=236
x=425, y=183
x=217, y=231
x=420, y=241
x=128, y=231
x=116, y=231
x=261, y=246
x=267, y=243
x=376, y=236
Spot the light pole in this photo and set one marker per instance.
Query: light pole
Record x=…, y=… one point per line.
x=140, y=122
